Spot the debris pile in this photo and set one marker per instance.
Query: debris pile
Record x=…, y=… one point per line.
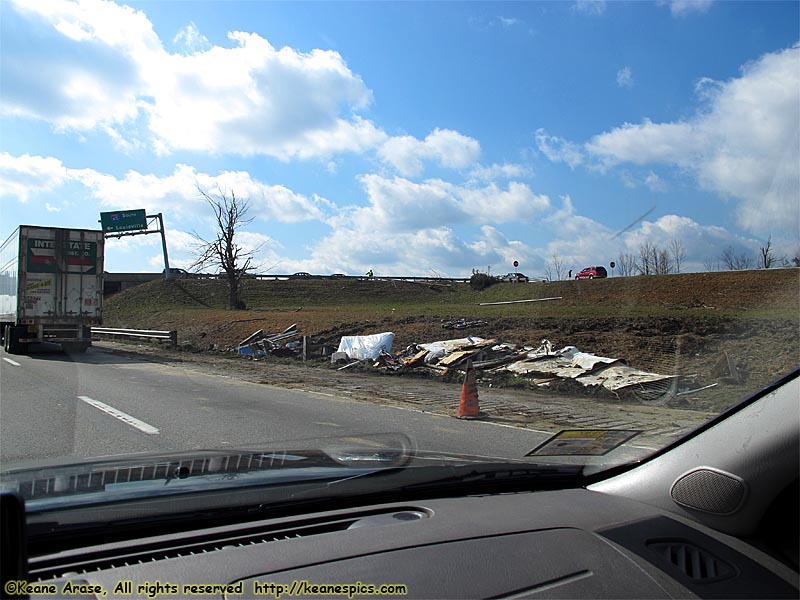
x=462, y=323
x=542, y=365
x=258, y=345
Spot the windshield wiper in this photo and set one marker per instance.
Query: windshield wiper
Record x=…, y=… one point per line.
x=446, y=479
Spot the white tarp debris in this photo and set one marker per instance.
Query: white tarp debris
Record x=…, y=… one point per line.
x=437, y=350
x=582, y=359
x=366, y=346
x=451, y=345
x=544, y=349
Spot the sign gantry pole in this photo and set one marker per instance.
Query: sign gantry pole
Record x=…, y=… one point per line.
x=134, y=222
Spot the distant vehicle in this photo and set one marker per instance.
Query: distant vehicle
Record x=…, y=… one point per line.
x=177, y=272
x=300, y=275
x=338, y=276
x=515, y=278
x=51, y=287
x=592, y=273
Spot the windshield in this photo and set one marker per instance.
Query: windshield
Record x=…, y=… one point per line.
x=258, y=245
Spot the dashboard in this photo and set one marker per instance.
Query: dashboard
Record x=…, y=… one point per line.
x=555, y=544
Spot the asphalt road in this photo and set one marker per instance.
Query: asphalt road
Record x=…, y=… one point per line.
x=101, y=404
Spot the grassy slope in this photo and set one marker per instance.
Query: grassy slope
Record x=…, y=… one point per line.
x=197, y=307
x=770, y=292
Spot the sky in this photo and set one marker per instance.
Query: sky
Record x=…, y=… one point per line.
x=409, y=138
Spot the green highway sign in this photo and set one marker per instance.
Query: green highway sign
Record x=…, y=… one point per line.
x=123, y=220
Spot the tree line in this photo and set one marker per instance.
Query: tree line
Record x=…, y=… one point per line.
x=653, y=259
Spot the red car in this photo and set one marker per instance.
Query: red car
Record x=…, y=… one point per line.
x=592, y=273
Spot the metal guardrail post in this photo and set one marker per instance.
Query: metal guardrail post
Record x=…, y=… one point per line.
x=173, y=339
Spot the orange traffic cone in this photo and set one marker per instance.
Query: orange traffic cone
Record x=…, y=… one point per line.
x=468, y=407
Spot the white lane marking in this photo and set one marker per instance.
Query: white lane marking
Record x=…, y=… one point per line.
x=12, y=362
x=118, y=414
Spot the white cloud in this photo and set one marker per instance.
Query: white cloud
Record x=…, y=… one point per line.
x=628, y=180
x=625, y=77
x=650, y=180
x=446, y=147
x=494, y=205
x=589, y=7
x=744, y=143
x=580, y=241
x=191, y=40
x=103, y=67
x=435, y=250
x=646, y=143
x=508, y=21
x=22, y=176
x=702, y=243
x=397, y=205
x=654, y=182
x=558, y=149
x=495, y=171
x=411, y=226
x=179, y=192
x=684, y=8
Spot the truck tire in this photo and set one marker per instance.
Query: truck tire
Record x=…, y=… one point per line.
x=11, y=343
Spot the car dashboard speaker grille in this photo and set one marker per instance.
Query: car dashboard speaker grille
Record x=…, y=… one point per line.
x=709, y=490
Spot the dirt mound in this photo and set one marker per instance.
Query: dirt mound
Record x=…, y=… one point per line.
x=697, y=325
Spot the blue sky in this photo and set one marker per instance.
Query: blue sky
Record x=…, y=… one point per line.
x=409, y=138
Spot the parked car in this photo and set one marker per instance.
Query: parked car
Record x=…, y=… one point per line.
x=592, y=273
x=300, y=275
x=515, y=278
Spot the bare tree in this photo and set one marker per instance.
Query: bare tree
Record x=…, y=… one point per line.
x=678, y=252
x=734, y=261
x=712, y=264
x=627, y=265
x=224, y=252
x=648, y=258
x=767, y=257
x=554, y=268
x=662, y=265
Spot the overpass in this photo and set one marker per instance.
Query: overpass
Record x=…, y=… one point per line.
x=116, y=282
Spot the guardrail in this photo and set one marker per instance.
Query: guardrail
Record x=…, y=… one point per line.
x=170, y=336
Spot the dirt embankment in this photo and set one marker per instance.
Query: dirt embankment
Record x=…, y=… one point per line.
x=696, y=325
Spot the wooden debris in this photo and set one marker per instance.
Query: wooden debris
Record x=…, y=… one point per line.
x=725, y=368
x=251, y=337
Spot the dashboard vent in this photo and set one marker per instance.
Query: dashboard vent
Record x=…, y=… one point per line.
x=697, y=564
x=126, y=555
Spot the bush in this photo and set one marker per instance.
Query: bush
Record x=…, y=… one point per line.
x=481, y=281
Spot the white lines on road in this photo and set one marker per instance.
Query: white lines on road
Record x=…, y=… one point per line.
x=118, y=414
x=11, y=362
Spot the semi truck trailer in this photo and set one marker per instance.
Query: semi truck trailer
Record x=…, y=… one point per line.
x=51, y=287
